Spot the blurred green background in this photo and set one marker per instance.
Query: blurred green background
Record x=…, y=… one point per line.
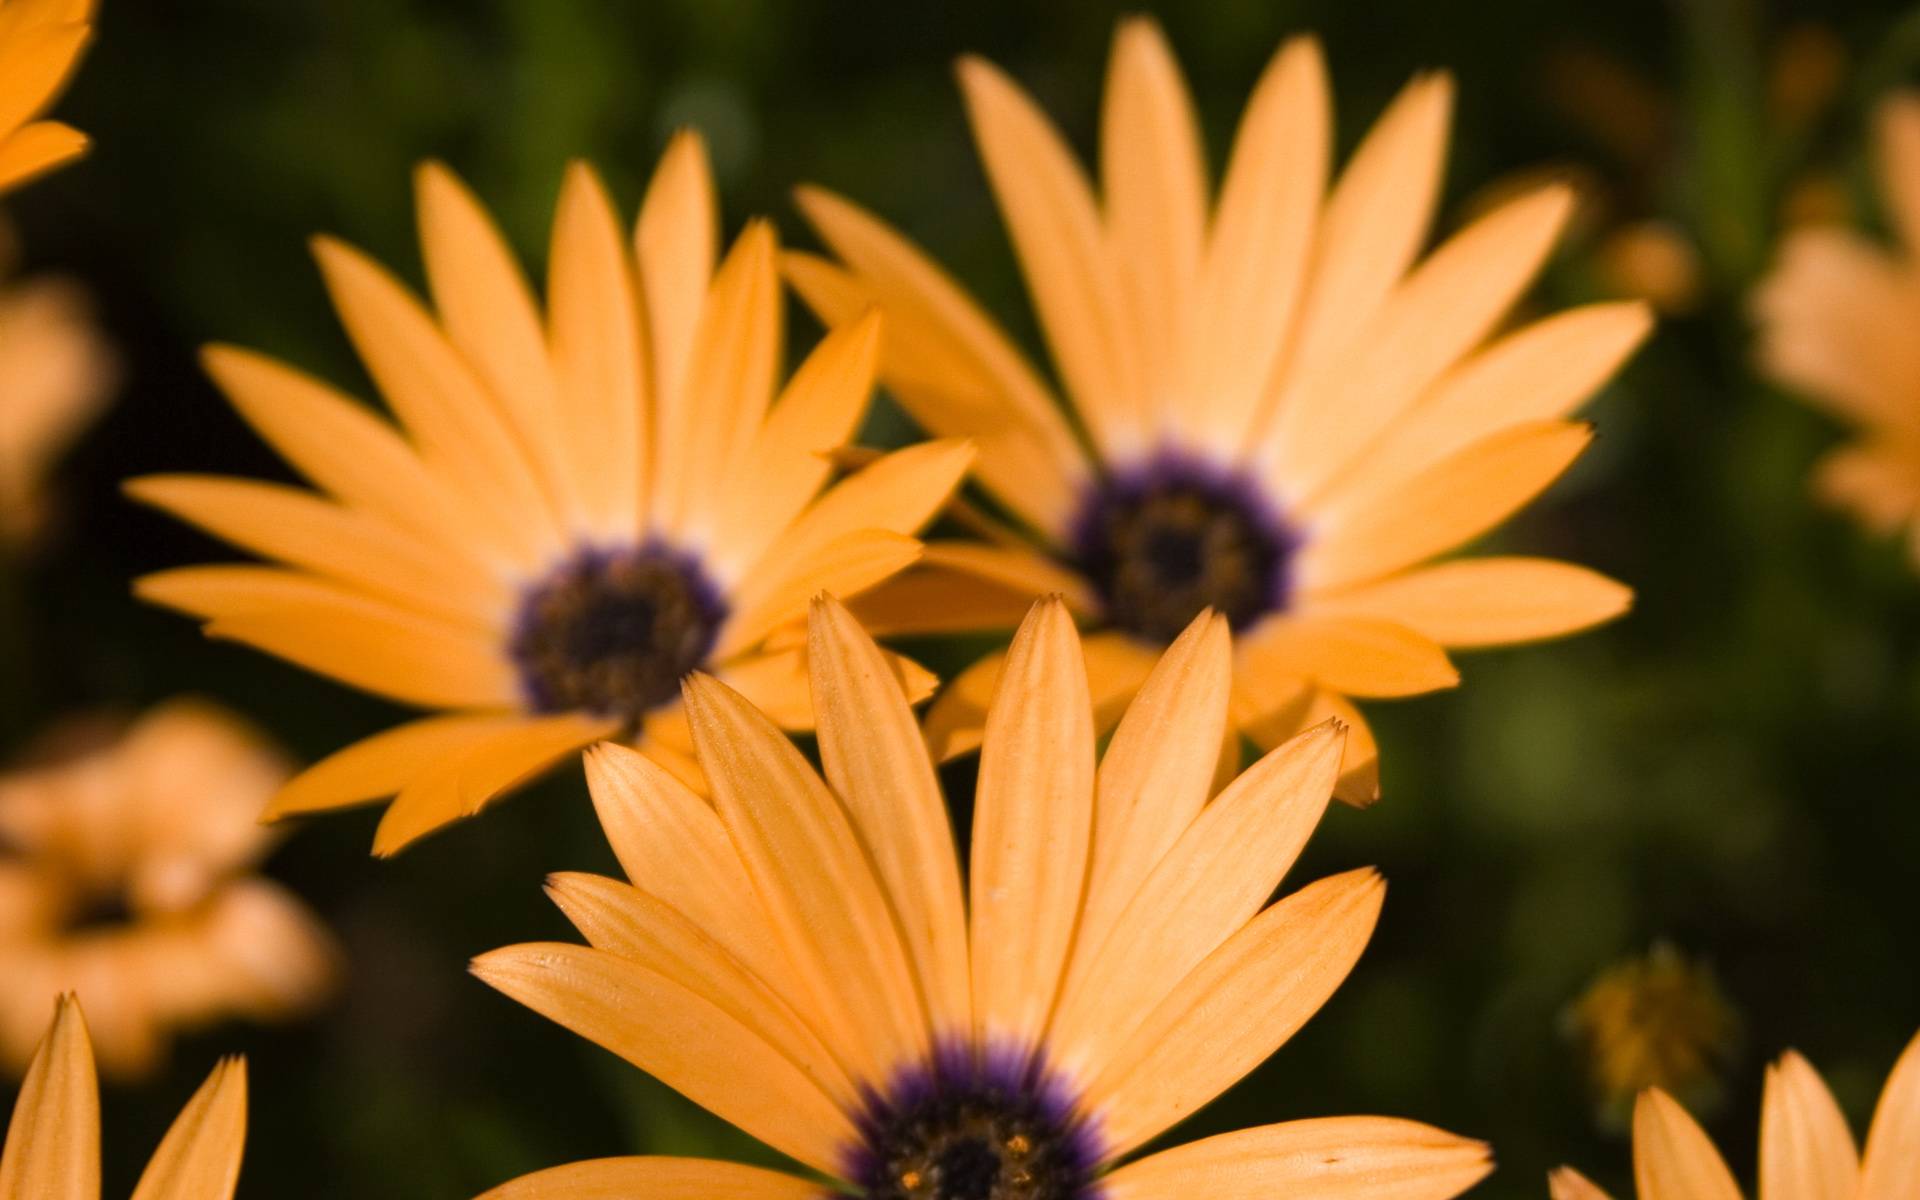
x=1733, y=769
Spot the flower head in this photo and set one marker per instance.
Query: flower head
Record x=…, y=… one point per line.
x=568, y=513
x=1836, y=317
x=40, y=45
x=1657, y=1020
x=800, y=957
x=1275, y=407
x=53, y=1141
x=1806, y=1150
x=126, y=877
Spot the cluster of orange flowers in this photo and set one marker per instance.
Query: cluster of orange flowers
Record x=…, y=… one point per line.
x=601, y=519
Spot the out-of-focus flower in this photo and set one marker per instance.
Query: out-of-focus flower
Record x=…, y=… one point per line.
x=1655, y=1021
x=797, y=957
x=1837, y=317
x=53, y=1141
x=572, y=514
x=1289, y=413
x=56, y=373
x=1806, y=1150
x=40, y=45
x=126, y=877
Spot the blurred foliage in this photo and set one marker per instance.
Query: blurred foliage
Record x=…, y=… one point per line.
x=1732, y=769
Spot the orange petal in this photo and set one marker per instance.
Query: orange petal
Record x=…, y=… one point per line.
x=381, y=765
x=1487, y=601
x=681, y=1038
x=676, y=242
x=656, y=1179
x=200, y=1157
x=1568, y=1184
x=1377, y=1158
x=1237, y=1007
x=878, y=766
x=1806, y=1150
x=1672, y=1158
x=53, y=1142
x=1361, y=656
x=1892, y=1160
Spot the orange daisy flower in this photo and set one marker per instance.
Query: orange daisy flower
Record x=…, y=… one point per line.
x=53, y=1141
x=1277, y=408
x=1806, y=1150
x=1836, y=321
x=125, y=877
x=797, y=957
x=569, y=514
x=40, y=45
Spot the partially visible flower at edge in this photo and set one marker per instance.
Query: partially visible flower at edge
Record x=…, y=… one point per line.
x=799, y=958
x=571, y=510
x=53, y=1141
x=1806, y=1150
x=40, y=45
x=1836, y=321
x=126, y=878
x=1286, y=417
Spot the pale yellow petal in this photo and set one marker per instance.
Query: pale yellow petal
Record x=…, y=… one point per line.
x=1359, y=656
x=814, y=880
x=200, y=1157
x=1359, y=783
x=672, y=845
x=381, y=765
x=1260, y=247
x=624, y=920
x=1328, y=416
x=1236, y=1008
x=1375, y=220
x=729, y=383
x=53, y=1141
x=297, y=527
x=676, y=241
x=1672, y=1158
x=1032, y=826
x=1442, y=507
x=1568, y=1184
x=491, y=316
x=656, y=1179
x=1487, y=601
x=383, y=649
x=679, y=1037
x=1892, y=1160
x=1050, y=215
x=1207, y=886
x=1157, y=772
x=1116, y=663
x=599, y=366
x=816, y=414
x=1878, y=481
x=1330, y=1158
x=1806, y=1150
x=1153, y=177
x=878, y=766
x=950, y=366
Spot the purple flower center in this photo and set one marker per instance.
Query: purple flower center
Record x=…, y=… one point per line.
x=612, y=632
x=975, y=1125
x=1173, y=535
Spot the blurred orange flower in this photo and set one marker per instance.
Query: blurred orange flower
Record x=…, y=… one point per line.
x=40, y=44
x=129, y=883
x=1837, y=317
x=53, y=1142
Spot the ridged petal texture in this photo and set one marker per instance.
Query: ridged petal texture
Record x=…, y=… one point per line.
x=783, y=954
